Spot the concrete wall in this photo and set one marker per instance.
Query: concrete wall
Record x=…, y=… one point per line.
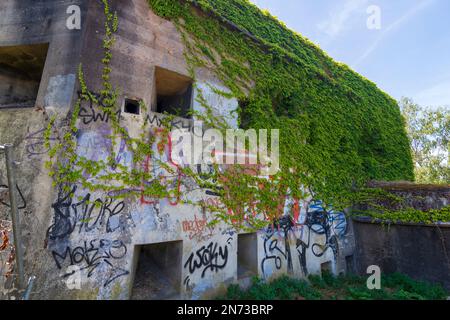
x=21, y=69
x=420, y=251
x=24, y=23
x=28, y=23
x=93, y=241
x=418, y=196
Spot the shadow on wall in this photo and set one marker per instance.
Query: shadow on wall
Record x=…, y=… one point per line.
x=21, y=69
x=419, y=251
x=158, y=273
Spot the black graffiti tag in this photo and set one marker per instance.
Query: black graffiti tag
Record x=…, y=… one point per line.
x=36, y=143
x=319, y=221
x=270, y=250
x=86, y=214
x=22, y=204
x=93, y=254
x=212, y=257
x=90, y=114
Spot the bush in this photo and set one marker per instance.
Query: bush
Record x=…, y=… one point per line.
x=328, y=287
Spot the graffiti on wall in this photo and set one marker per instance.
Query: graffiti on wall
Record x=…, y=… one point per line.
x=272, y=252
x=288, y=239
x=89, y=114
x=86, y=215
x=320, y=221
x=155, y=120
x=212, y=257
x=326, y=220
x=93, y=256
x=197, y=228
x=94, y=146
x=4, y=202
x=35, y=143
x=79, y=215
x=171, y=180
x=6, y=249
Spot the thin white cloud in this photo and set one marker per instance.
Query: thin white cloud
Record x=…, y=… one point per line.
x=435, y=96
x=339, y=19
x=397, y=23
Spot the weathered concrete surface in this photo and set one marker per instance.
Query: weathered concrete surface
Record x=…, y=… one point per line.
x=37, y=24
x=24, y=128
x=30, y=22
x=20, y=74
x=418, y=196
x=419, y=251
x=70, y=242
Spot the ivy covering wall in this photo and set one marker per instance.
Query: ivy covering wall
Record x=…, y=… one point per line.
x=338, y=130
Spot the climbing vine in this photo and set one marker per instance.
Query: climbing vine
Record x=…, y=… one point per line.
x=337, y=129
x=410, y=215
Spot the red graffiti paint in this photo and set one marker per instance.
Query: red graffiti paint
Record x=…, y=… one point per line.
x=5, y=240
x=197, y=228
x=6, y=245
x=167, y=149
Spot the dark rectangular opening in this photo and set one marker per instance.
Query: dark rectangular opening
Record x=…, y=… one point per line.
x=245, y=116
x=21, y=69
x=247, y=255
x=326, y=268
x=158, y=273
x=132, y=107
x=173, y=93
x=350, y=264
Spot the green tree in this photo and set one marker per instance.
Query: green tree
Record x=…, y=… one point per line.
x=429, y=132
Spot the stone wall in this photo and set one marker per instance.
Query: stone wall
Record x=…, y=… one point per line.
x=90, y=245
x=420, y=251
x=418, y=196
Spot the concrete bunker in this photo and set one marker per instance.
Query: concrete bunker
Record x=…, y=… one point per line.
x=173, y=93
x=158, y=271
x=247, y=255
x=21, y=69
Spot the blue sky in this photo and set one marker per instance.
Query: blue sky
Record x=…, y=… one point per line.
x=409, y=56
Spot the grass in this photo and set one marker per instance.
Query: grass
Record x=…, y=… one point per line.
x=394, y=287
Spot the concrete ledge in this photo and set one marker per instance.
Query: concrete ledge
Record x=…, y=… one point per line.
x=406, y=186
x=369, y=220
x=417, y=250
